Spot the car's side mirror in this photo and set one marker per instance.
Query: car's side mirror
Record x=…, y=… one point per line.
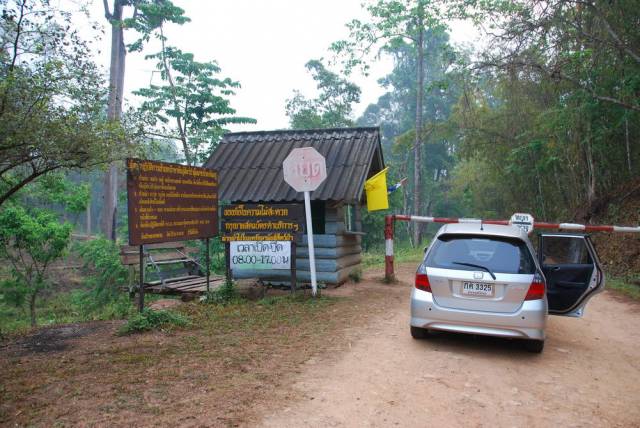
x=425, y=250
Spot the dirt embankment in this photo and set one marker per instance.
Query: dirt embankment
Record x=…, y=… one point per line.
x=619, y=253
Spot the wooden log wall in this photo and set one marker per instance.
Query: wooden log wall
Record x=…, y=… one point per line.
x=337, y=252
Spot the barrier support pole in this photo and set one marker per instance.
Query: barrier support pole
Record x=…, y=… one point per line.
x=389, y=275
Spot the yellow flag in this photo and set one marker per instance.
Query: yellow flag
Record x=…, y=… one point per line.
x=376, y=188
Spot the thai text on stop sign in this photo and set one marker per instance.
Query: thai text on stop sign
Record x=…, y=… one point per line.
x=306, y=169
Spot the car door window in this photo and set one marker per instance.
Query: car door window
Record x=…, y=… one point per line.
x=568, y=267
x=565, y=250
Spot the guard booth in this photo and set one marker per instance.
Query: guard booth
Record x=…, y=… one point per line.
x=249, y=165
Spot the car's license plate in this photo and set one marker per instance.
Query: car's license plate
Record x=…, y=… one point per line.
x=477, y=289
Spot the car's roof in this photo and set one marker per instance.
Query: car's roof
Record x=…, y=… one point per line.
x=484, y=229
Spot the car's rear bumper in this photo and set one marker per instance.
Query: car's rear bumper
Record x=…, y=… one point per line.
x=528, y=322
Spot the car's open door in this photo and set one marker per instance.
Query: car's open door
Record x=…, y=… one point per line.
x=572, y=270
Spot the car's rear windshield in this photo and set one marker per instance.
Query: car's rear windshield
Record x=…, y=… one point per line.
x=500, y=255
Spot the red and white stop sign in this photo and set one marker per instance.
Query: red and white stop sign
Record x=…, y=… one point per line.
x=304, y=169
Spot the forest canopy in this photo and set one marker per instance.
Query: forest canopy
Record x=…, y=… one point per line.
x=543, y=118
x=52, y=99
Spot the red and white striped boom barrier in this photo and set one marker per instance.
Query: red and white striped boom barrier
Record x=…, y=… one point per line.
x=391, y=219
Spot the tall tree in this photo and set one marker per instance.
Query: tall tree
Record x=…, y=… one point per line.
x=394, y=112
x=333, y=106
x=147, y=16
x=392, y=22
x=192, y=105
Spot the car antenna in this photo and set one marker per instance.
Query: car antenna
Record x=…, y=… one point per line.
x=481, y=228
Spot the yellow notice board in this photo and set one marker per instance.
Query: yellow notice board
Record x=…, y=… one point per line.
x=376, y=188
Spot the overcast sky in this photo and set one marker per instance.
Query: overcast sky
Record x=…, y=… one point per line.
x=263, y=45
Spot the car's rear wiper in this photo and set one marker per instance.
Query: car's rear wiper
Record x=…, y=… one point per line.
x=476, y=266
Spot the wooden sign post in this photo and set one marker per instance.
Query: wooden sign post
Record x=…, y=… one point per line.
x=170, y=202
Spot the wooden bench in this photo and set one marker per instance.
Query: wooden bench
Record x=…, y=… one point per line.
x=170, y=268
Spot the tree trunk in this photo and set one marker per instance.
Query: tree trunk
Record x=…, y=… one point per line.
x=429, y=212
x=88, y=223
x=626, y=134
x=541, y=194
x=405, y=197
x=543, y=208
x=417, y=147
x=114, y=112
x=591, y=169
x=405, y=209
x=181, y=129
x=563, y=189
x=110, y=202
x=32, y=309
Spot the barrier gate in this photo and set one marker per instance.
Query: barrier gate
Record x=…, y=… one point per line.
x=523, y=221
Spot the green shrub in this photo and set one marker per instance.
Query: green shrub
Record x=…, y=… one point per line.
x=216, y=254
x=89, y=308
x=149, y=319
x=222, y=295
x=30, y=241
x=105, y=275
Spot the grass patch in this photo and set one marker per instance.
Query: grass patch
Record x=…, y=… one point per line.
x=402, y=253
x=231, y=356
x=627, y=286
x=289, y=300
x=63, y=308
x=67, y=307
x=149, y=319
x=243, y=317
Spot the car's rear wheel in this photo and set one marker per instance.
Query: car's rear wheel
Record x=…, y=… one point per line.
x=419, y=333
x=534, y=346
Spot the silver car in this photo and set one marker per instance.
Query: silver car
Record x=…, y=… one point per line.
x=486, y=279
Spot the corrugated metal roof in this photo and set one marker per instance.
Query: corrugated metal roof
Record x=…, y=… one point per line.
x=249, y=164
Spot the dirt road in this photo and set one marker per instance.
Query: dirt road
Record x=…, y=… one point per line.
x=588, y=375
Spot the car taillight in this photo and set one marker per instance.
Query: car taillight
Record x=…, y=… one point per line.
x=536, y=289
x=422, y=282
